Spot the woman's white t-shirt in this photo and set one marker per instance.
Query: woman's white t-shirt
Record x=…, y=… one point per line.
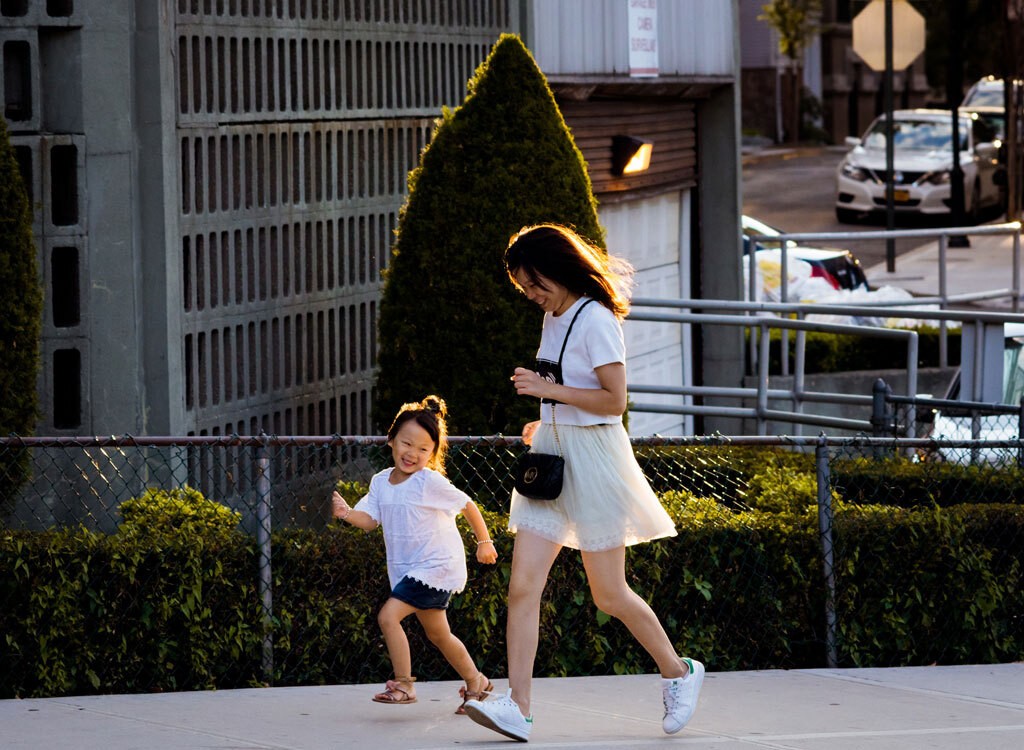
x=596, y=339
x=418, y=521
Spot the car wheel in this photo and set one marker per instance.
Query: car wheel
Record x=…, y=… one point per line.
x=847, y=216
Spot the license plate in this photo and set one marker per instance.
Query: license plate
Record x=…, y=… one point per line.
x=901, y=195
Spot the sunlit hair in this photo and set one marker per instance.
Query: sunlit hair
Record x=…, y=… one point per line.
x=429, y=414
x=558, y=253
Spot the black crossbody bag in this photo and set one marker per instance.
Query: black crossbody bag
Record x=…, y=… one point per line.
x=539, y=476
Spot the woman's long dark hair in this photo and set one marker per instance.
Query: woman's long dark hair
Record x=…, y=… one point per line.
x=429, y=414
x=558, y=253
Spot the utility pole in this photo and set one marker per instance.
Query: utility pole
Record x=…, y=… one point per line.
x=954, y=94
x=1011, y=146
x=890, y=205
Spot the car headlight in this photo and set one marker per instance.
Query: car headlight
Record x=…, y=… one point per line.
x=937, y=178
x=855, y=173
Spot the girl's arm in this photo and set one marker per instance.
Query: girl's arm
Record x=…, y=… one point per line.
x=357, y=518
x=609, y=399
x=485, y=551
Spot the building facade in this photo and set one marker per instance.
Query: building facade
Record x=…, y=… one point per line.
x=217, y=182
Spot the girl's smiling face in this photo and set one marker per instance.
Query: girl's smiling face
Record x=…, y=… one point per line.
x=411, y=448
x=551, y=296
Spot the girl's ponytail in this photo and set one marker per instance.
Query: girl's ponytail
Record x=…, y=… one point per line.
x=435, y=405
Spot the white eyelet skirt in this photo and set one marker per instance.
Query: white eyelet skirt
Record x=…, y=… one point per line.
x=606, y=501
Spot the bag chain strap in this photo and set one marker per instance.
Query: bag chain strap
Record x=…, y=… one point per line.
x=554, y=426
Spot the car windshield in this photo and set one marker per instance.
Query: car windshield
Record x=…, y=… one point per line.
x=917, y=135
x=987, y=97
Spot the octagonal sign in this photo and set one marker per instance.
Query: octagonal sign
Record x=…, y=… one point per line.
x=907, y=34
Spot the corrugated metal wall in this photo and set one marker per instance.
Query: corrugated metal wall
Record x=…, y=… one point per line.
x=297, y=124
x=670, y=125
x=695, y=37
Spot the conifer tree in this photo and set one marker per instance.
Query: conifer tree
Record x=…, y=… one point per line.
x=451, y=323
x=21, y=303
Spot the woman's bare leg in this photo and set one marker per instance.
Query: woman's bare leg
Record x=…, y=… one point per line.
x=606, y=574
x=532, y=558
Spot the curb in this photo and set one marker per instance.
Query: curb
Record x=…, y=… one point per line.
x=782, y=154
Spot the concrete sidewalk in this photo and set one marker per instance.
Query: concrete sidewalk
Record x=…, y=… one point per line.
x=984, y=266
x=961, y=708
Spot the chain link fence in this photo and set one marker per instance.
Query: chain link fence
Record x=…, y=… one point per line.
x=135, y=565
x=950, y=420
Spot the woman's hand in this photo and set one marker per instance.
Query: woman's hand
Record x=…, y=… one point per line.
x=486, y=553
x=528, y=429
x=529, y=383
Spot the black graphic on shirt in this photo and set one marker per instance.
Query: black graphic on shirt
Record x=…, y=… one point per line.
x=551, y=372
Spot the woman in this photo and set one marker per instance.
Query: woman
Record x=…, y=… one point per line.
x=606, y=503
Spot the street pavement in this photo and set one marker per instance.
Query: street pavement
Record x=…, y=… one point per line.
x=910, y=708
x=986, y=265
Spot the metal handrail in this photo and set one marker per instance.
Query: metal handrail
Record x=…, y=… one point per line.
x=761, y=412
x=815, y=308
x=944, y=299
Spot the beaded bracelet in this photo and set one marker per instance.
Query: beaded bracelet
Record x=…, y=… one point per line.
x=485, y=541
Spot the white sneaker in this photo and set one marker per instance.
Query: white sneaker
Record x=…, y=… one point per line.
x=680, y=696
x=502, y=715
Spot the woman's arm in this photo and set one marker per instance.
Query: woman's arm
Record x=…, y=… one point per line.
x=357, y=518
x=485, y=550
x=609, y=399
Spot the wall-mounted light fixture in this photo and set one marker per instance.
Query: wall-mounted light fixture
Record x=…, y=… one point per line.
x=630, y=154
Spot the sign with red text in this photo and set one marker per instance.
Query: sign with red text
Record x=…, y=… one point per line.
x=643, y=38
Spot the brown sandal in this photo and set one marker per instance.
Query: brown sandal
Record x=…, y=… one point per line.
x=395, y=686
x=467, y=695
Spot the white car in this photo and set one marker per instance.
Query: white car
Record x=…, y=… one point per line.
x=987, y=92
x=922, y=160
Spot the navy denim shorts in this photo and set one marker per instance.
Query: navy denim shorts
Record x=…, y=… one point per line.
x=420, y=595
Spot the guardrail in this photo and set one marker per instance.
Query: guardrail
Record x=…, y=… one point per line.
x=798, y=395
x=758, y=354
x=942, y=234
x=943, y=299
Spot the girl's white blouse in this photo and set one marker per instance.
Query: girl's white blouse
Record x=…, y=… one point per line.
x=418, y=521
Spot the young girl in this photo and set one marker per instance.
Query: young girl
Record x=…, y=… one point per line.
x=606, y=503
x=417, y=506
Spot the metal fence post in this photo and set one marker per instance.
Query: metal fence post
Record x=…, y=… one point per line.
x=943, y=304
x=263, y=542
x=882, y=422
x=1016, y=271
x=1020, y=434
x=825, y=534
x=879, y=419
x=762, y=380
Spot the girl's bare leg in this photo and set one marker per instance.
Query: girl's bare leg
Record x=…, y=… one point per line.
x=435, y=625
x=390, y=620
x=606, y=574
x=532, y=558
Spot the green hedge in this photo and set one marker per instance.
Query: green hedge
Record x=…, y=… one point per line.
x=897, y=482
x=88, y=613
x=831, y=352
